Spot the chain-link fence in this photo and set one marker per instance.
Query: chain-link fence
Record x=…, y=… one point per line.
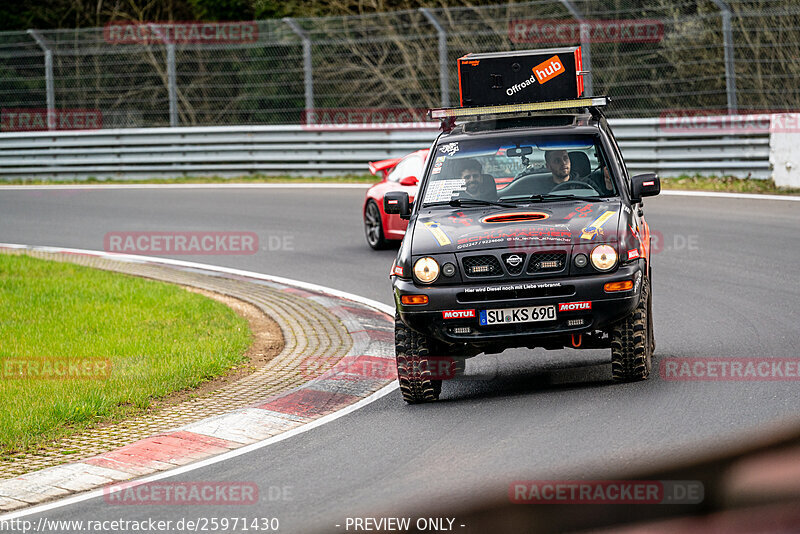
x=649, y=56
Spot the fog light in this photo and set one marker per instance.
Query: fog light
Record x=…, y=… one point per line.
x=462, y=330
x=610, y=287
x=448, y=269
x=575, y=322
x=480, y=269
x=414, y=299
x=581, y=260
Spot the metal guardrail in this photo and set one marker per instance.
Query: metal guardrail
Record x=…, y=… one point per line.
x=309, y=150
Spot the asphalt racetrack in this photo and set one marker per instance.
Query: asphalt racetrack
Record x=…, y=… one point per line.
x=725, y=283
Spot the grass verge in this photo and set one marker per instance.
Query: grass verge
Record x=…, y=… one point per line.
x=726, y=184
x=156, y=337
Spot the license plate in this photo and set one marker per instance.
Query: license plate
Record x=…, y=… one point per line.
x=528, y=314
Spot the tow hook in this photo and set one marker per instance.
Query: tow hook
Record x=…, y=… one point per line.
x=580, y=340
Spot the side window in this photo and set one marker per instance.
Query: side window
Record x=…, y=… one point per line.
x=411, y=166
x=618, y=155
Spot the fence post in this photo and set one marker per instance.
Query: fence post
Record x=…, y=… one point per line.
x=730, y=64
x=48, y=78
x=444, y=77
x=307, y=66
x=586, y=46
x=172, y=85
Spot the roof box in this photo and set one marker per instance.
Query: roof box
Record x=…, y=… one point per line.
x=520, y=76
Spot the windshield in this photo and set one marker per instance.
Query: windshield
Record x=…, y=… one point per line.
x=519, y=167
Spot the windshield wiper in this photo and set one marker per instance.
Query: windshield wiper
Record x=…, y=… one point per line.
x=466, y=202
x=554, y=198
x=458, y=202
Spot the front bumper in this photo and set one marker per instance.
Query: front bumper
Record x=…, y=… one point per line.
x=606, y=308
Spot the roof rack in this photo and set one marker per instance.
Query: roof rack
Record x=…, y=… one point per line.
x=510, y=109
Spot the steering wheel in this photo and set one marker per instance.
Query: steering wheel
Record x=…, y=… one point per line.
x=568, y=185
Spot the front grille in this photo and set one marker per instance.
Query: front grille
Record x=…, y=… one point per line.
x=547, y=262
x=514, y=269
x=481, y=266
x=508, y=294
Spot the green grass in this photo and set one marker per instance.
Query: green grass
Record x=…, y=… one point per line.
x=726, y=184
x=158, y=337
x=246, y=179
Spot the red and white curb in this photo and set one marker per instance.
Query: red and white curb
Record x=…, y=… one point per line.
x=333, y=394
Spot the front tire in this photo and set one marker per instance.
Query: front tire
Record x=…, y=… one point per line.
x=413, y=371
x=631, y=342
x=373, y=227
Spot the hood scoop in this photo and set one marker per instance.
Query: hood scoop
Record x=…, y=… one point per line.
x=515, y=216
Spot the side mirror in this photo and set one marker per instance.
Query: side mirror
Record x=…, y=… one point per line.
x=645, y=185
x=409, y=180
x=396, y=203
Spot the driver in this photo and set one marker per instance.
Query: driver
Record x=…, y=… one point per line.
x=560, y=166
x=478, y=185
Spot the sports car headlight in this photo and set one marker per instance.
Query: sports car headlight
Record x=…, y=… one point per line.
x=426, y=270
x=604, y=257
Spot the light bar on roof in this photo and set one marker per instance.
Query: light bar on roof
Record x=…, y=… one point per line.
x=455, y=113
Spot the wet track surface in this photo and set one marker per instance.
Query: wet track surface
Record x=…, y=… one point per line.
x=725, y=284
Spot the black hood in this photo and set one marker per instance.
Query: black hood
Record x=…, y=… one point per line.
x=443, y=230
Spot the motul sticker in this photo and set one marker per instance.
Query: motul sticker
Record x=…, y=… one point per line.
x=651, y=182
x=459, y=314
x=574, y=306
x=633, y=254
x=398, y=270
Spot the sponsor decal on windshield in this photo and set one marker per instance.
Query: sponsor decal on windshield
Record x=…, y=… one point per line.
x=449, y=149
x=443, y=190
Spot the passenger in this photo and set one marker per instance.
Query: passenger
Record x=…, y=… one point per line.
x=560, y=166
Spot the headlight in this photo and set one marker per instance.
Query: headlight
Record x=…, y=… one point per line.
x=426, y=270
x=604, y=257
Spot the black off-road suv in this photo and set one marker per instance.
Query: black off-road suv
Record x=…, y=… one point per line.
x=526, y=232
